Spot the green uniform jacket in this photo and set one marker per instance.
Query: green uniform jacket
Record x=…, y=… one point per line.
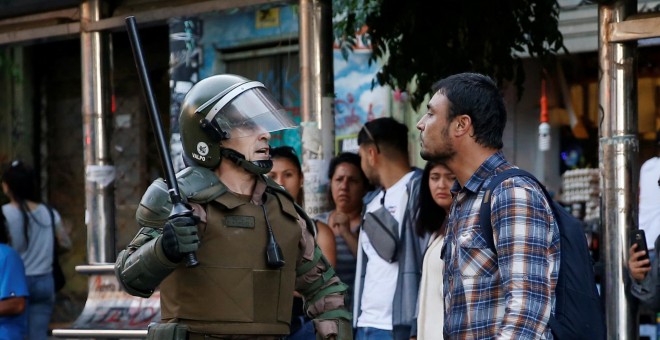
x=233, y=291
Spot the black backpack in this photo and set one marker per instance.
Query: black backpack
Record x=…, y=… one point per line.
x=578, y=310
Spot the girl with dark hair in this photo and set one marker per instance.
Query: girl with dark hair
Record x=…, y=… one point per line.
x=287, y=172
x=30, y=224
x=434, y=198
x=434, y=201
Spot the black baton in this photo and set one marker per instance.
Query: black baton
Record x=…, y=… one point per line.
x=178, y=207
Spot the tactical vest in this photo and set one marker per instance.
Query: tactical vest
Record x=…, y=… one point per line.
x=233, y=291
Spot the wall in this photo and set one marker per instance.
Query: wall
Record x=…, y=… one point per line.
x=50, y=119
x=59, y=107
x=16, y=94
x=355, y=100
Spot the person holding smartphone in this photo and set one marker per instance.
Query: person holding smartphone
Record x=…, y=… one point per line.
x=649, y=198
x=639, y=262
x=645, y=284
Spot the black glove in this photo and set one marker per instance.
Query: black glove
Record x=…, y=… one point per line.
x=180, y=237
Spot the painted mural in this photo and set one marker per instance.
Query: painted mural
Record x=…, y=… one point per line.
x=358, y=97
x=108, y=306
x=356, y=102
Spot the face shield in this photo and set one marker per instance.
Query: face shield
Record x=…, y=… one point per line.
x=246, y=110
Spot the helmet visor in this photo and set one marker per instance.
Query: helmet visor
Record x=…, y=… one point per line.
x=252, y=112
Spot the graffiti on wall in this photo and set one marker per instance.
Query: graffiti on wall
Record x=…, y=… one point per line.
x=185, y=58
x=109, y=307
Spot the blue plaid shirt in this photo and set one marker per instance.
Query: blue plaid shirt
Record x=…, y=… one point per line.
x=509, y=294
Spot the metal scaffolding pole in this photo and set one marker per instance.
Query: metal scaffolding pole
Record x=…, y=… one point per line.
x=618, y=153
x=316, y=100
x=99, y=171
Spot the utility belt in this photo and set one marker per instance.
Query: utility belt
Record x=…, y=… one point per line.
x=197, y=336
x=167, y=331
x=175, y=331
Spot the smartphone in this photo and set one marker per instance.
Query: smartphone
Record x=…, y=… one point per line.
x=638, y=237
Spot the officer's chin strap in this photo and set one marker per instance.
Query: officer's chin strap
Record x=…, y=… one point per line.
x=254, y=167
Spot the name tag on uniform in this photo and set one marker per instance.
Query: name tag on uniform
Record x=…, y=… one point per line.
x=239, y=222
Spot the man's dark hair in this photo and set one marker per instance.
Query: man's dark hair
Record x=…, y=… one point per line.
x=477, y=96
x=385, y=132
x=430, y=216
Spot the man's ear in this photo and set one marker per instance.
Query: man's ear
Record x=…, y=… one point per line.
x=463, y=124
x=372, y=155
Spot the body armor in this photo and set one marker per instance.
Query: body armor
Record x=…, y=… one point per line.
x=233, y=291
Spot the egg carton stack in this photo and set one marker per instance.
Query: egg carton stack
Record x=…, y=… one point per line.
x=582, y=186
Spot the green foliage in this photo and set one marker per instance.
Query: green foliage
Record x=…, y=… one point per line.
x=422, y=41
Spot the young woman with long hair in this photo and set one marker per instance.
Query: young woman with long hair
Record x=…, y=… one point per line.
x=434, y=201
x=30, y=225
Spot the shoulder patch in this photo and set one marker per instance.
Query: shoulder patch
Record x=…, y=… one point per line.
x=287, y=205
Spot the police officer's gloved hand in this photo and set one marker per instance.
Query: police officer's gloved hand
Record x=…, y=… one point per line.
x=180, y=237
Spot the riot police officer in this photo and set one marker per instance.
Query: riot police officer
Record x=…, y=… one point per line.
x=243, y=284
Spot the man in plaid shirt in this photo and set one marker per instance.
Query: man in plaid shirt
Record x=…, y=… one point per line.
x=508, y=294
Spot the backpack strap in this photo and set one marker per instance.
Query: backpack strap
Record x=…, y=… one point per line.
x=56, y=244
x=484, y=212
x=52, y=225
